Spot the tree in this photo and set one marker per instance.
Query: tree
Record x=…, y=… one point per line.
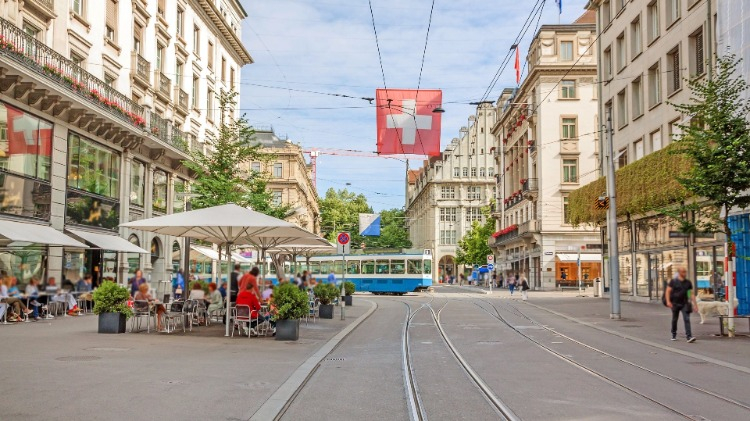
x=221, y=177
x=339, y=211
x=473, y=248
x=393, y=232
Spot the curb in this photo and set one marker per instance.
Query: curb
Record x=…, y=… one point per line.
x=277, y=403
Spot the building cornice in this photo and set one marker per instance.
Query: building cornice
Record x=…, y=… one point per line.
x=209, y=8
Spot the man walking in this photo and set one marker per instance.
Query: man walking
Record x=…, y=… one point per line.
x=680, y=298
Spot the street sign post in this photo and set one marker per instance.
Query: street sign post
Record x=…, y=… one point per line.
x=490, y=266
x=343, y=247
x=490, y=258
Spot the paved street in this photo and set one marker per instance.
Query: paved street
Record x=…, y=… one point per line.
x=555, y=357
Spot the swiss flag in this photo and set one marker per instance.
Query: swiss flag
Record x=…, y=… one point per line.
x=28, y=135
x=406, y=121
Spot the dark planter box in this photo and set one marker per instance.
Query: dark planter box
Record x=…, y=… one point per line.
x=112, y=323
x=348, y=300
x=287, y=330
x=326, y=311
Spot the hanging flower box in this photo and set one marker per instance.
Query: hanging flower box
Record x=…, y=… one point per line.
x=523, y=180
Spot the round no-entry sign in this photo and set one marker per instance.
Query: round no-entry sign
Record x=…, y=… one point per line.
x=343, y=238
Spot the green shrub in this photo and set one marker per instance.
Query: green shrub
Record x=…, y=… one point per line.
x=290, y=301
x=112, y=298
x=349, y=288
x=326, y=293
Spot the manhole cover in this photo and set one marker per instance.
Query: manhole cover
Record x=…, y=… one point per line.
x=105, y=349
x=79, y=358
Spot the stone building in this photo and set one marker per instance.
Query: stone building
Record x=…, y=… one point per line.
x=446, y=195
x=100, y=101
x=547, y=145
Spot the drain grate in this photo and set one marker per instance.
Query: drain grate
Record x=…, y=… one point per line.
x=79, y=358
x=334, y=359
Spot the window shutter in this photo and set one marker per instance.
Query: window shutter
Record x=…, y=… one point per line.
x=112, y=14
x=699, y=53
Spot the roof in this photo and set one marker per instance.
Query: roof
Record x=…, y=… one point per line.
x=412, y=176
x=268, y=139
x=589, y=16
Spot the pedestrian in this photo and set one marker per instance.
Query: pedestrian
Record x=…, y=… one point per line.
x=234, y=279
x=512, y=284
x=332, y=278
x=136, y=282
x=524, y=288
x=681, y=299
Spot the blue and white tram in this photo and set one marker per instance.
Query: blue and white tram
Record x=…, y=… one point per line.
x=376, y=273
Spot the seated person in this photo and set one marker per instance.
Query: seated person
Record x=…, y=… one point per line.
x=84, y=285
x=197, y=292
x=267, y=293
x=215, y=300
x=15, y=306
x=13, y=290
x=248, y=298
x=32, y=292
x=143, y=295
x=223, y=290
x=55, y=295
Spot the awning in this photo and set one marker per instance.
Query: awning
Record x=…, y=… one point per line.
x=212, y=254
x=108, y=242
x=573, y=257
x=26, y=233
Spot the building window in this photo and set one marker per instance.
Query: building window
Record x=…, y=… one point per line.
x=178, y=195
x=196, y=40
x=447, y=237
x=655, y=140
x=277, y=170
x=224, y=70
x=621, y=51
x=697, y=58
x=568, y=88
x=675, y=131
x=78, y=7
x=673, y=71
x=211, y=55
x=78, y=60
x=110, y=80
x=137, y=36
x=178, y=74
x=276, y=199
x=473, y=214
x=570, y=170
x=159, y=57
x=255, y=167
x=621, y=4
x=636, y=90
x=25, y=147
x=638, y=149
x=622, y=109
x=481, y=172
x=448, y=214
x=673, y=11
x=569, y=127
x=92, y=168
x=210, y=105
x=566, y=51
x=474, y=193
x=654, y=85
x=231, y=78
x=606, y=13
x=652, y=15
x=161, y=8
x=180, y=23
x=608, y=62
x=456, y=172
x=622, y=159
x=159, y=203
x=636, y=43
x=447, y=192
x=490, y=171
x=195, y=92
x=137, y=183
x=473, y=171
x=566, y=210
x=466, y=172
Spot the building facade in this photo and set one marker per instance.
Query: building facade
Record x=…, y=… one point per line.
x=289, y=179
x=101, y=103
x=649, y=50
x=547, y=147
x=446, y=196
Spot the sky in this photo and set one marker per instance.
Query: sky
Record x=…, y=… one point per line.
x=308, y=51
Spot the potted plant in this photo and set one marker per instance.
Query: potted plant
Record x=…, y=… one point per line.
x=349, y=289
x=111, y=304
x=326, y=293
x=291, y=305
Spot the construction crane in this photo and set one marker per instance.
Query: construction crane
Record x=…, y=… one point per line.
x=315, y=152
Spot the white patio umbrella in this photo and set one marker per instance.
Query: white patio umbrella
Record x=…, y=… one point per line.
x=227, y=225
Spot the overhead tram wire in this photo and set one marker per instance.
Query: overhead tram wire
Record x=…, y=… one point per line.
x=535, y=10
x=421, y=67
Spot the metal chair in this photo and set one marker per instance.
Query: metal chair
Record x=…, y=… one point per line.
x=175, y=313
x=141, y=309
x=240, y=316
x=314, y=310
x=4, y=313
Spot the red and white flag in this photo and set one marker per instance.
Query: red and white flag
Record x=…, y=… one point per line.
x=406, y=121
x=518, y=66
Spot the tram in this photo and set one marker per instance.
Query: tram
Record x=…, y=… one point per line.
x=377, y=273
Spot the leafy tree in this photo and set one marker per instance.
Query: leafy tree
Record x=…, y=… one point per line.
x=393, y=232
x=717, y=141
x=221, y=177
x=339, y=211
x=472, y=248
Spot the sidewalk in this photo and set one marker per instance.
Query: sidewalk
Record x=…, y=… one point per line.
x=55, y=368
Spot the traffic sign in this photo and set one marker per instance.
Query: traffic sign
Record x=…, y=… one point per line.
x=490, y=258
x=490, y=266
x=343, y=242
x=476, y=267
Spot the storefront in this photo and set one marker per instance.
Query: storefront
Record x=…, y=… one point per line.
x=566, y=267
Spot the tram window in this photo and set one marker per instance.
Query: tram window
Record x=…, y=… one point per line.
x=368, y=267
x=338, y=266
x=315, y=268
x=398, y=267
x=272, y=269
x=352, y=268
x=325, y=267
x=414, y=267
x=427, y=267
x=381, y=267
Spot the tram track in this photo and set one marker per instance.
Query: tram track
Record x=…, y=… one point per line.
x=596, y=373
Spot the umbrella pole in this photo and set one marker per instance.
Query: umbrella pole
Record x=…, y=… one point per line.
x=229, y=291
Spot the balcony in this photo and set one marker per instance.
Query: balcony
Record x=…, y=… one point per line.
x=140, y=69
x=530, y=188
x=163, y=86
x=183, y=103
x=505, y=235
x=513, y=200
x=531, y=226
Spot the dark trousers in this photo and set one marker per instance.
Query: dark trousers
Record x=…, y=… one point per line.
x=676, y=310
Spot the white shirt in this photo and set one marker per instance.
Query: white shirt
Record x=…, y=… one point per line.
x=197, y=294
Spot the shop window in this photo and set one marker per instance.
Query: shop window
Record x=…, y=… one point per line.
x=137, y=183
x=25, y=143
x=159, y=203
x=178, y=195
x=92, y=168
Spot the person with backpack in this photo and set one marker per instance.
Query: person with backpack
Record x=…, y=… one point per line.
x=524, y=288
x=680, y=298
